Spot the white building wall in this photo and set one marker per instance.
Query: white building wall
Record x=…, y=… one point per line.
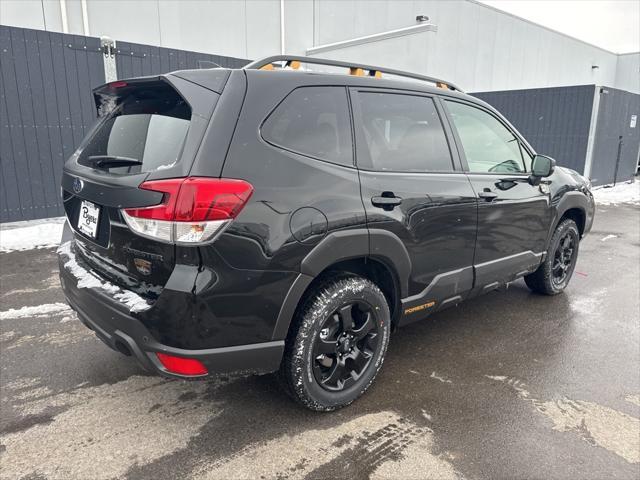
x=477, y=47
x=628, y=72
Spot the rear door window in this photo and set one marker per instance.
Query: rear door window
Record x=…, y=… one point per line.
x=149, y=125
x=313, y=121
x=400, y=133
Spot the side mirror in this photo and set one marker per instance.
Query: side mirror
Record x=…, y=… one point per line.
x=541, y=167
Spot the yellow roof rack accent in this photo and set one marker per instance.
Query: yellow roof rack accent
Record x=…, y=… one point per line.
x=294, y=62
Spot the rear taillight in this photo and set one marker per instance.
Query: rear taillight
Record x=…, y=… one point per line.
x=193, y=209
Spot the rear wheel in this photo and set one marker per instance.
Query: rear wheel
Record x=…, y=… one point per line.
x=553, y=275
x=337, y=343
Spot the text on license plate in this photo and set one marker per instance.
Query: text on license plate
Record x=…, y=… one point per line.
x=88, y=218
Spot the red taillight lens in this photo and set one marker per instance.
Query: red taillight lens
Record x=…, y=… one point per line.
x=195, y=199
x=206, y=199
x=181, y=365
x=193, y=209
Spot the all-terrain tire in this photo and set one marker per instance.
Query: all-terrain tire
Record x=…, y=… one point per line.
x=543, y=280
x=297, y=368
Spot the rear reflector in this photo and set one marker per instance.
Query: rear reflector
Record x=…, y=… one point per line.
x=181, y=365
x=193, y=209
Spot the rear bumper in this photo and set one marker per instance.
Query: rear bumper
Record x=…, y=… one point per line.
x=118, y=327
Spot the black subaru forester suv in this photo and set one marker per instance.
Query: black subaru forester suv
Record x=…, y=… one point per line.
x=275, y=218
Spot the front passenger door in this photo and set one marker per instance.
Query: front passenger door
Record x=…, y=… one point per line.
x=513, y=215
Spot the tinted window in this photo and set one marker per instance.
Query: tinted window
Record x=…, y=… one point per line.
x=488, y=145
x=400, y=133
x=149, y=125
x=313, y=121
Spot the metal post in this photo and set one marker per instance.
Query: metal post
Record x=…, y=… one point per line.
x=108, y=46
x=63, y=16
x=593, y=125
x=615, y=172
x=85, y=17
x=282, y=37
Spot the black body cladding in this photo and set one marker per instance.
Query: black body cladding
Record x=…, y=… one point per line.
x=429, y=237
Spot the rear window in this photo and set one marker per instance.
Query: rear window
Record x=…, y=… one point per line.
x=148, y=125
x=400, y=133
x=313, y=121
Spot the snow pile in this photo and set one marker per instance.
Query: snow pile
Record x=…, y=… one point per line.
x=31, y=234
x=37, y=311
x=628, y=192
x=86, y=279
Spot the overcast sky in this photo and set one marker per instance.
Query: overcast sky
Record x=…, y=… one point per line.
x=610, y=24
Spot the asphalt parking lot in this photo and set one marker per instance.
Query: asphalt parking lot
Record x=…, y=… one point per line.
x=509, y=385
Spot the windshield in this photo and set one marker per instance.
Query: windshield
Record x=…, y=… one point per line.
x=149, y=125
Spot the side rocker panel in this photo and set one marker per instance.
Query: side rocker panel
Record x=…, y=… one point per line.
x=446, y=289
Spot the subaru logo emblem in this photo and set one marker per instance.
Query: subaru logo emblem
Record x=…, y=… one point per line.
x=78, y=185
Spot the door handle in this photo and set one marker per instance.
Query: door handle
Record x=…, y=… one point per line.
x=386, y=202
x=488, y=195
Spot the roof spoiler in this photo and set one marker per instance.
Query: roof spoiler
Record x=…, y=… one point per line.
x=357, y=69
x=119, y=88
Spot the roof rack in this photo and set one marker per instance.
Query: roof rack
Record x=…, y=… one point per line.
x=294, y=62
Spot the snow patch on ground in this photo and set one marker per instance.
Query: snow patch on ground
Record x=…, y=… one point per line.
x=31, y=234
x=514, y=383
x=596, y=424
x=382, y=445
x=109, y=417
x=628, y=192
x=608, y=237
x=635, y=399
x=44, y=310
x=588, y=304
x=439, y=378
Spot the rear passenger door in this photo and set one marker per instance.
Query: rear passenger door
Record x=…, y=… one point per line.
x=513, y=215
x=413, y=187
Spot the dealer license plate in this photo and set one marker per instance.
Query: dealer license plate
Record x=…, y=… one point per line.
x=88, y=218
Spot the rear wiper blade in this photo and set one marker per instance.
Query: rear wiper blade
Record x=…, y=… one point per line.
x=113, y=161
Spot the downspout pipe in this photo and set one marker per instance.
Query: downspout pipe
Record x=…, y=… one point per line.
x=85, y=17
x=63, y=16
x=282, y=47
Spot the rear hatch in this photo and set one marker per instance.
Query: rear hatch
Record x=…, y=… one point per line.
x=148, y=129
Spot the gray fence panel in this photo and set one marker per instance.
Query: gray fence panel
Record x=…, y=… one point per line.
x=554, y=120
x=11, y=195
x=134, y=60
x=615, y=133
x=46, y=107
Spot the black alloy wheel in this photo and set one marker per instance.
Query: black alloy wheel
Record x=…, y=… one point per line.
x=337, y=342
x=563, y=258
x=555, y=271
x=345, y=346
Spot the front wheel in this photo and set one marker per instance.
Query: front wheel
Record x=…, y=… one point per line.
x=337, y=343
x=553, y=275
